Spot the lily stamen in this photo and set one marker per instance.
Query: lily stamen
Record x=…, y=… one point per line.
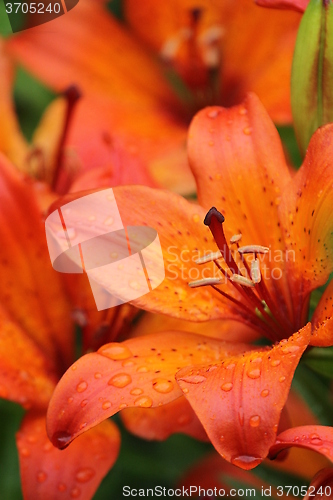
x=210, y=257
x=241, y=280
x=205, y=282
x=255, y=271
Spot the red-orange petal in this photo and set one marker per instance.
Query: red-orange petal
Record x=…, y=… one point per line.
x=305, y=213
x=31, y=290
x=239, y=401
x=161, y=422
x=322, y=320
x=321, y=485
x=313, y=437
x=298, y=5
x=239, y=166
x=75, y=472
x=138, y=373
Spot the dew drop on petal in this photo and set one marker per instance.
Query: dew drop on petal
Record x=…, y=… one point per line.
x=75, y=492
x=83, y=425
x=194, y=379
x=120, y=380
x=144, y=402
x=290, y=349
x=183, y=419
x=134, y=285
x=241, y=416
x=275, y=362
x=98, y=375
x=255, y=421
x=25, y=452
x=115, y=351
x=61, y=439
x=227, y=386
x=70, y=400
x=84, y=475
x=254, y=373
x=315, y=440
x=82, y=386
x=109, y=221
x=246, y=462
x=264, y=393
x=142, y=369
x=62, y=487
x=230, y=366
x=47, y=446
x=106, y=405
x=84, y=403
x=282, y=379
x=162, y=385
x=247, y=130
x=136, y=391
x=213, y=113
x=195, y=218
x=41, y=476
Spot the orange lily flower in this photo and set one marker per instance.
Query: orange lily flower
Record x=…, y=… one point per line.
x=237, y=390
x=36, y=346
x=127, y=99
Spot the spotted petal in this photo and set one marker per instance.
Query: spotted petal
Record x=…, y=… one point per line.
x=313, y=437
x=136, y=373
x=75, y=472
x=239, y=401
x=322, y=319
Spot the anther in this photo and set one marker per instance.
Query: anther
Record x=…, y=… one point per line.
x=213, y=212
x=241, y=280
x=206, y=281
x=255, y=271
x=210, y=257
x=253, y=249
x=235, y=238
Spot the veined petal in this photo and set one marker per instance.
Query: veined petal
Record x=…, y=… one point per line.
x=28, y=281
x=161, y=422
x=26, y=375
x=313, y=437
x=239, y=401
x=298, y=5
x=75, y=472
x=239, y=166
x=322, y=320
x=136, y=373
x=305, y=213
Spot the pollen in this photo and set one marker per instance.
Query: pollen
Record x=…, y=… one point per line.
x=255, y=271
x=210, y=257
x=235, y=238
x=206, y=281
x=253, y=249
x=241, y=280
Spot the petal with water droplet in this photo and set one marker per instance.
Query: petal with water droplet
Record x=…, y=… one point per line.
x=247, y=420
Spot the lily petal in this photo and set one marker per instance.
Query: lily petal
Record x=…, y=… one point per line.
x=26, y=375
x=239, y=166
x=75, y=472
x=161, y=422
x=136, y=373
x=298, y=5
x=305, y=213
x=234, y=399
x=313, y=437
x=322, y=479
x=322, y=319
x=28, y=280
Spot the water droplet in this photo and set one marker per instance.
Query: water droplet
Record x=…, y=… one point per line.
x=282, y=379
x=290, y=349
x=47, y=446
x=109, y=221
x=41, y=476
x=315, y=440
x=227, y=386
x=142, y=369
x=246, y=462
x=62, y=487
x=195, y=218
x=243, y=111
x=213, y=113
x=255, y=421
x=247, y=130
x=275, y=362
x=84, y=403
x=162, y=385
x=136, y=392
x=185, y=390
x=257, y=360
x=61, y=439
x=194, y=379
x=83, y=425
x=144, y=402
x=122, y=406
x=75, y=492
x=70, y=400
x=84, y=475
x=98, y=375
x=230, y=366
x=82, y=386
x=114, y=255
x=134, y=285
x=120, y=380
x=184, y=419
x=128, y=363
x=264, y=393
x=115, y=351
x=106, y=405
x=241, y=416
x=71, y=233
x=32, y=439
x=25, y=452
x=254, y=373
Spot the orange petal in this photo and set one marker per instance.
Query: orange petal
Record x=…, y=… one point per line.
x=238, y=162
x=321, y=484
x=161, y=422
x=298, y=5
x=305, y=213
x=31, y=290
x=136, y=373
x=26, y=375
x=75, y=472
x=322, y=319
x=313, y=437
x=239, y=401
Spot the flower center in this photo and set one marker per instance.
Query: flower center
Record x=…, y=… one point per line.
x=255, y=303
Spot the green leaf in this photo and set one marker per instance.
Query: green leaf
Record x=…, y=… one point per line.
x=320, y=360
